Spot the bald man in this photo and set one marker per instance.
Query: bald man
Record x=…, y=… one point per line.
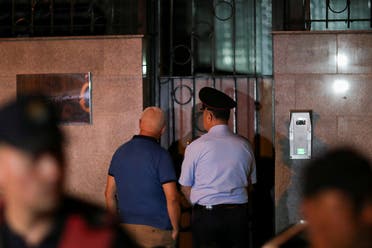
x=141, y=185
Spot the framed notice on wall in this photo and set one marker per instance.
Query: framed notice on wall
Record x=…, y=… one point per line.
x=71, y=93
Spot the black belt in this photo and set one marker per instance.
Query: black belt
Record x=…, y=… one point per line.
x=220, y=206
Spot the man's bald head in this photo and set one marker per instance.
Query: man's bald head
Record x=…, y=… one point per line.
x=152, y=122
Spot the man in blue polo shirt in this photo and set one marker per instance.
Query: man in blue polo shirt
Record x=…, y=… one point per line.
x=141, y=184
x=216, y=172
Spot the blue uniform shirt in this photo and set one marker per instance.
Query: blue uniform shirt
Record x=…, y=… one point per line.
x=218, y=166
x=140, y=168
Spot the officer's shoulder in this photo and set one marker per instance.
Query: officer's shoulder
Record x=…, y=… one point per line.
x=194, y=141
x=242, y=138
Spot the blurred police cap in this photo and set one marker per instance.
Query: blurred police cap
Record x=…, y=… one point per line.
x=30, y=123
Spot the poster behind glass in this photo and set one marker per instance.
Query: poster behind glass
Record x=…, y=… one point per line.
x=71, y=93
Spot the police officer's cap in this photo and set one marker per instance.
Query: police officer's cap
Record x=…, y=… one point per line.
x=30, y=123
x=215, y=99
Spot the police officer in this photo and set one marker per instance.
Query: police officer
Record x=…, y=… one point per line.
x=217, y=169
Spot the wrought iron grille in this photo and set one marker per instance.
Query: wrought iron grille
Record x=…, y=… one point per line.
x=69, y=17
x=224, y=44
x=338, y=14
x=180, y=97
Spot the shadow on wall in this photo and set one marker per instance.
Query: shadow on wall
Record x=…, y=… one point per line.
x=263, y=196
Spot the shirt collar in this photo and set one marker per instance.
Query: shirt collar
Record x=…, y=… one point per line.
x=222, y=128
x=145, y=137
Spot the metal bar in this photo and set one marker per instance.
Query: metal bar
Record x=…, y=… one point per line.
x=72, y=2
x=192, y=64
x=213, y=47
x=285, y=13
x=256, y=138
x=192, y=70
x=194, y=120
x=307, y=14
x=173, y=113
x=304, y=11
x=235, y=121
x=213, y=40
x=273, y=113
x=91, y=18
x=51, y=10
x=13, y=17
x=255, y=37
x=32, y=13
x=348, y=13
x=157, y=50
x=234, y=36
x=171, y=39
x=327, y=6
x=217, y=76
x=112, y=17
x=339, y=20
x=255, y=48
x=235, y=126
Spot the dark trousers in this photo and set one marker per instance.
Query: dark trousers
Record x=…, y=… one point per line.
x=223, y=226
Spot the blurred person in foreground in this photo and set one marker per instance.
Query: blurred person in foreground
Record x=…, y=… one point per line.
x=33, y=209
x=337, y=204
x=141, y=185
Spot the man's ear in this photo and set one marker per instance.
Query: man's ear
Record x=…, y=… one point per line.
x=367, y=214
x=209, y=116
x=162, y=130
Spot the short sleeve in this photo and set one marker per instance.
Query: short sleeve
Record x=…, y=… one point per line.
x=252, y=170
x=166, y=169
x=113, y=164
x=187, y=170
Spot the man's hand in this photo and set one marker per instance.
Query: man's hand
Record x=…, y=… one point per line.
x=173, y=206
x=186, y=190
x=175, y=234
x=110, y=194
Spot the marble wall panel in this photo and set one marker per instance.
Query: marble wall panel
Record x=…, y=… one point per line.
x=284, y=93
x=338, y=117
x=116, y=66
x=44, y=56
x=124, y=51
x=40, y=55
x=298, y=56
x=109, y=89
x=355, y=53
x=356, y=131
x=322, y=93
